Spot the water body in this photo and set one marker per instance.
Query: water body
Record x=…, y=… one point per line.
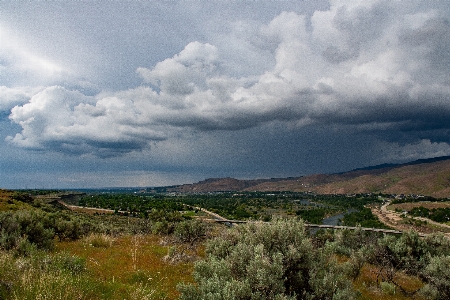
x=309, y=203
x=334, y=220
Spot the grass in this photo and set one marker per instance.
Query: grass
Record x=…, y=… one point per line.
x=366, y=284
x=98, y=266
x=98, y=240
x=130, y=266
x=131, y=261
x=42, y=276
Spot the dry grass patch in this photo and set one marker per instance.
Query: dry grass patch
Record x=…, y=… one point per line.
x=426, y=204
x=98, y=240
x=61, y=276
x=367, y=285
x=133, y=259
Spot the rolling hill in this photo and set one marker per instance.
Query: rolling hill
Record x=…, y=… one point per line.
x=429, y=177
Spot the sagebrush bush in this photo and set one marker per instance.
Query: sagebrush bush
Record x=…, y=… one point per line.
x=267, y=261
x=31, y=224
x=391, y=255
x=162, y=227
x=39, y=228
x=189, y=231
x=437, y=274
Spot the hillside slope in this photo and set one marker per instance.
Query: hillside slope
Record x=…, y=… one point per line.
x=425, y=177
x=220, y=185
x=432, y=179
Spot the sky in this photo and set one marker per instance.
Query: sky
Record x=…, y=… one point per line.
x=151, y=93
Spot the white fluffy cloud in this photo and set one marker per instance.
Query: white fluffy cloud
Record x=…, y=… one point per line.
x=68, y=121
x=10, y=97
x=369, y=64
x=186, y=72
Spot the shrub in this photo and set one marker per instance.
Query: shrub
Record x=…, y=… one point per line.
x=28, y=224
x=67, y=229
x=25, y=248
x=189, y=231
x=356, y=262
x=36, y=226
x=437, y=244
x=39, y=228
x=162, y=227
x=70, y=263
x=348, y=241
x=267, y=261
x=22, y=197
x=409, y=252
x=437, y=274
x=9, y=231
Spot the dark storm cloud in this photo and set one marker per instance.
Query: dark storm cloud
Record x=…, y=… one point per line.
x=378, y=69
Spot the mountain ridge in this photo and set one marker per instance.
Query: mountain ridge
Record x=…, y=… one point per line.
x=430, y=177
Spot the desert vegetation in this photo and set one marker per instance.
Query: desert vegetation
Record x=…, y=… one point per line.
x=281, y=260
x=166, y=251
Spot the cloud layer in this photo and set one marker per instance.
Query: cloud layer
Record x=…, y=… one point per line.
x=365, y=65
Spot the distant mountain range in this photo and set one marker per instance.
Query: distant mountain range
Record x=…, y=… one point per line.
x=430, y=177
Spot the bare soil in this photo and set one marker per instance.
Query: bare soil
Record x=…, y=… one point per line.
x=389, y=217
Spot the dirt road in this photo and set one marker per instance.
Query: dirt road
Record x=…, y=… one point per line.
x=82, y=208
x=394, y=220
